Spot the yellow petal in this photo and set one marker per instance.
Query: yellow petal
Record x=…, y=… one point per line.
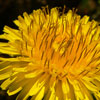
x=14, y=92
x=54, y=15
x=20, y=69
x=23, y=95
x=40, y=95
x=59, y=92
x=2, y=44
x=27, y=18
x=90, y=86
x=65, y=87
x=5, y=73
x=6, y=83
x=9, y=50
x=16, y=86
x=4, y=65
x=13, y=32
x=88, y=95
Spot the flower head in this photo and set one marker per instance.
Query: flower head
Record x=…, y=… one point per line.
x=53, y=56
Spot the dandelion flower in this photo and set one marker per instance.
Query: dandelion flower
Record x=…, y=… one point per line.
x=52, y=56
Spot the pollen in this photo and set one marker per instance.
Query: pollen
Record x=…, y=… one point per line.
x=52, y=56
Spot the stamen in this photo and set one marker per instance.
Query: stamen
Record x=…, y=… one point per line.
x=65, y=63
x=86, y=53
x=52, y=54
x=26, y=46
x=80, y=56
x=94, y=47
x=73, y=61
x=53, y=39
x=42, y=41
x=42, y=55
x=94, y=54
x=46, y=44
x=78, y=45
x=71, y=47
x=45, y=62
x=65, y=75
x=60, y=46
x=32, y=52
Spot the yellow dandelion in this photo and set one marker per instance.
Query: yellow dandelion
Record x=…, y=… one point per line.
x=53, y=56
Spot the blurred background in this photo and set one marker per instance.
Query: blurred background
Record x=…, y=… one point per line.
x=10, y=9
